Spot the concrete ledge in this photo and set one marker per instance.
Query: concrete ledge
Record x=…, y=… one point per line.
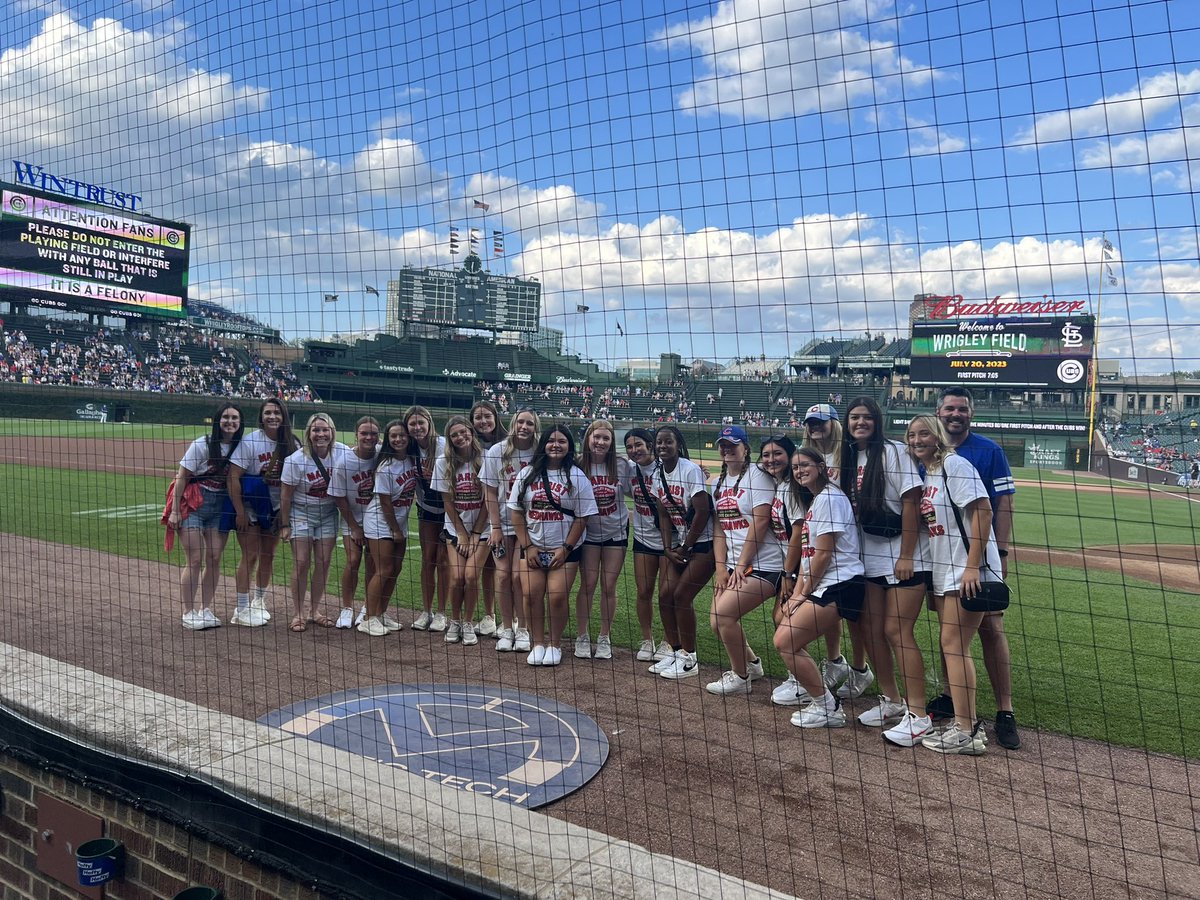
x=460, y=836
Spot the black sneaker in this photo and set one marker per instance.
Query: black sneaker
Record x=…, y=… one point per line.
x=940, y=707
x=1006, y=731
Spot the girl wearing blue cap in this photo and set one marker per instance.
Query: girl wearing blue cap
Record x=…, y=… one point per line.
x=747, y=553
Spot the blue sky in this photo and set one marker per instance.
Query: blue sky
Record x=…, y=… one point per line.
x=722, y=179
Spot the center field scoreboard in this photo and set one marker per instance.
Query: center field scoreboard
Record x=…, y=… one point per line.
x=1050, y=353
x=468, y=297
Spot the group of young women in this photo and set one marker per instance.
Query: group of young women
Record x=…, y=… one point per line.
x=849, y=526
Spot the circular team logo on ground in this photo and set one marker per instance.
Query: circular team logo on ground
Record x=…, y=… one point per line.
x=519, y=748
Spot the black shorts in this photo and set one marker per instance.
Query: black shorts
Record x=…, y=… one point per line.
x=639, y=547
x=424, y=515
x=615, y=542
x=448, y=537
x=848, y=595
x=918, y=578
x=771, y=578
x=702, y=548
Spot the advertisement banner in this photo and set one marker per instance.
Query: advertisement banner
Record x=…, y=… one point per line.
x=1029, y=353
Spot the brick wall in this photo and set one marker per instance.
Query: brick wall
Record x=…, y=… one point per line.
x=161, y=859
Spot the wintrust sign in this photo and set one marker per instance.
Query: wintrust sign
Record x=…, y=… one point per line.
x=956, y=306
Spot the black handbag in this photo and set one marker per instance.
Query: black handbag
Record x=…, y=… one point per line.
x=884, y=524
x=993, y=596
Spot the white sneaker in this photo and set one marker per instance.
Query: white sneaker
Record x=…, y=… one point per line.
x=664, y=651
x=486, y=627
x=389, y=623
x=260, y=604
x=193, y=620
x=362, y=614
x=248, y=616
x=468, y=635
x=345, y=618
x=856, y=684
x=833, y=673
x=505, y=643
x=210, y=618
x=522, y=641
x=646, y=652
x=604, y=647
x=956, y=741
x=421, y=623
x=454, y=633
x=754, y=669
x=553, y=656
x=730, y=683
x=583, y=647
x=663, y=664
x=536, y=655
x=373, y=626
x=439, y=623
x=685, y=667
x=909, y=731
x=815, y=715
x=790, y=693
x=885, y=712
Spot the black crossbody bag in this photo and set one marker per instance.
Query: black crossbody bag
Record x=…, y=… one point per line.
x=993, y=596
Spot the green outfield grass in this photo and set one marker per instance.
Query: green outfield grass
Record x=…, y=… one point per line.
x=1096, y=657
x=93, y=430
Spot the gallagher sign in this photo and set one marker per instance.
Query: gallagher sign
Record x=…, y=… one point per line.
x=1046, y=353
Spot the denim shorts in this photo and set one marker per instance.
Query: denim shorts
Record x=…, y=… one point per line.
x=316, y=522
x=215, y=512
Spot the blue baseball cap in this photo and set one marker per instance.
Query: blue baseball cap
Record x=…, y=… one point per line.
x=732, y=434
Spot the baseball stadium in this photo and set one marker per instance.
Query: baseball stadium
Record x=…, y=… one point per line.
x=717, y=450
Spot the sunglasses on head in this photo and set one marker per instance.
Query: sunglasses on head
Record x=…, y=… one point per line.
x=773, y=439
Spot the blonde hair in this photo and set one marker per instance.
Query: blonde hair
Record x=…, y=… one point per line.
x=510, y=447
x=610, y=458
x=314, y=418
x=938, y=430
x=837, y=443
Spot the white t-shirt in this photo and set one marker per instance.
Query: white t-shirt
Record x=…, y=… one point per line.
x=734, y=500
x=681, y=486
x=645, y=511
x=431, y=502
x=498, y=474
x=254, y=454
x=900, y=476
x=210, y=477
x=946, y=550
x=468, y=494
x=301, y=472
x=611, y=522
x=785, y=502
x=547, y=527
x=354, y=479
x=395, y=483
x=831, y=513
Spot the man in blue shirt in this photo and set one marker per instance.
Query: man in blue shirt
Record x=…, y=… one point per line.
x=954, y=410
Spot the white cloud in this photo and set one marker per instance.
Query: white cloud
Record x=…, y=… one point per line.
x=1122, y=113
x=529, y=210
x=768, y=59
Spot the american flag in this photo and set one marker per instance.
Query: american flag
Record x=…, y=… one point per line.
x=479, y=204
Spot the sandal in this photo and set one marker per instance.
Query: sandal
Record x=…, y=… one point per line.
x=298, y=625
x=321, y=619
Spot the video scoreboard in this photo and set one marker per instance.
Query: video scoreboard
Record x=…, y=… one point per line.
x=65, y=253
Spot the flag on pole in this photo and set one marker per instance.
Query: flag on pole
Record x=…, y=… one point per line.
x=479, y=204
x=453, y=239
x=498, y=243
x=331, y=298
x=1108, y=249
x=620, y=330
x=371, y=290
x=1110, y=253
x=474, y=238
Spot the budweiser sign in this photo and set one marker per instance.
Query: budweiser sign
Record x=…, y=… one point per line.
x=956, y=306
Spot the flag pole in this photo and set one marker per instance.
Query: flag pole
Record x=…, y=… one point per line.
x=1092, y=396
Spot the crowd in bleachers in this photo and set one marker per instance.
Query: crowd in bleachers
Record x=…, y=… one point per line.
x=174, y=360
